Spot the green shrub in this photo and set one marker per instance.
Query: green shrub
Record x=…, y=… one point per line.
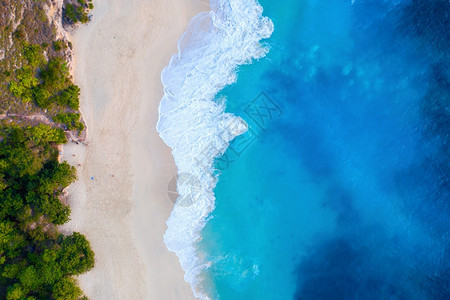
x=76, y=13
x=76, y=254
x=34, y=55
x=70, y=13
x=42, y=96
x=66, y=289
x=59, y=45
x=23, y=88
x=11, y=241
x=82, y=14
x=15, y=292
x=52, y=87
x=69, y=97
x=22, y=161
x=71, y=120
x=42, y=134
x=56, y=75
x=29, y=278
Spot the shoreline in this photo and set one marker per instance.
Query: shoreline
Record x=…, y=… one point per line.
x=196, y=126
x=120, y=200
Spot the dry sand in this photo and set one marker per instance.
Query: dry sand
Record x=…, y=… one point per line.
x=120, y=201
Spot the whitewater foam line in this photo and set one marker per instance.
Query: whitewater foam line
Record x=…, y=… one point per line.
x=195, y=126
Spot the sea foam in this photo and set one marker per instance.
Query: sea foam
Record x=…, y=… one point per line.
x=194, y=125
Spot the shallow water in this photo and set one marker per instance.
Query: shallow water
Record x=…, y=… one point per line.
x=340, y=188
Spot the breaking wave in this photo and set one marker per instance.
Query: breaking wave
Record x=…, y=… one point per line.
x=194, y=125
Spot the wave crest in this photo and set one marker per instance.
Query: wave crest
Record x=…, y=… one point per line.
x=195, y=126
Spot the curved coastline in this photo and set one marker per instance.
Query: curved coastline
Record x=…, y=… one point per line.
x=194, y=125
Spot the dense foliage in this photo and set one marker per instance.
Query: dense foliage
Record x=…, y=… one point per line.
x=77, y=11
x=35, y=260
x=49, y=85
x=71, y=121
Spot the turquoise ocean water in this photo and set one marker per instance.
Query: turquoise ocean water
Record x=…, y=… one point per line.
x=340, y=188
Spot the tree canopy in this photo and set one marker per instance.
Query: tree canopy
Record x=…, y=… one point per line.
x=35, y=259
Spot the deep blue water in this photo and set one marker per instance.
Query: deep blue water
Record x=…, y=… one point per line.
x=340, y=190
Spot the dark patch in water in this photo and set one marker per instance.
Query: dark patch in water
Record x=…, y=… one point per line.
x=360, y=261
x=342, y=269
x=353, y=268
x=430, y=21
x=424, y=186
x=341, y=201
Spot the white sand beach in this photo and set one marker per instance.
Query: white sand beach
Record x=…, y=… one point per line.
x=120, y=201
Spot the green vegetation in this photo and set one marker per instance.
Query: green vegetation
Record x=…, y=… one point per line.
x=33, y=54
x=54, y=80
x=23, y=88
x=24, y=27
x=59, y=45
x=69, y=97
x=44, y=86
x=36, y=260
x=70, y=120
x=75, y=12
x=47, y=83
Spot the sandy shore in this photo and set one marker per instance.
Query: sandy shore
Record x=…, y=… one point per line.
x=120, y=201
